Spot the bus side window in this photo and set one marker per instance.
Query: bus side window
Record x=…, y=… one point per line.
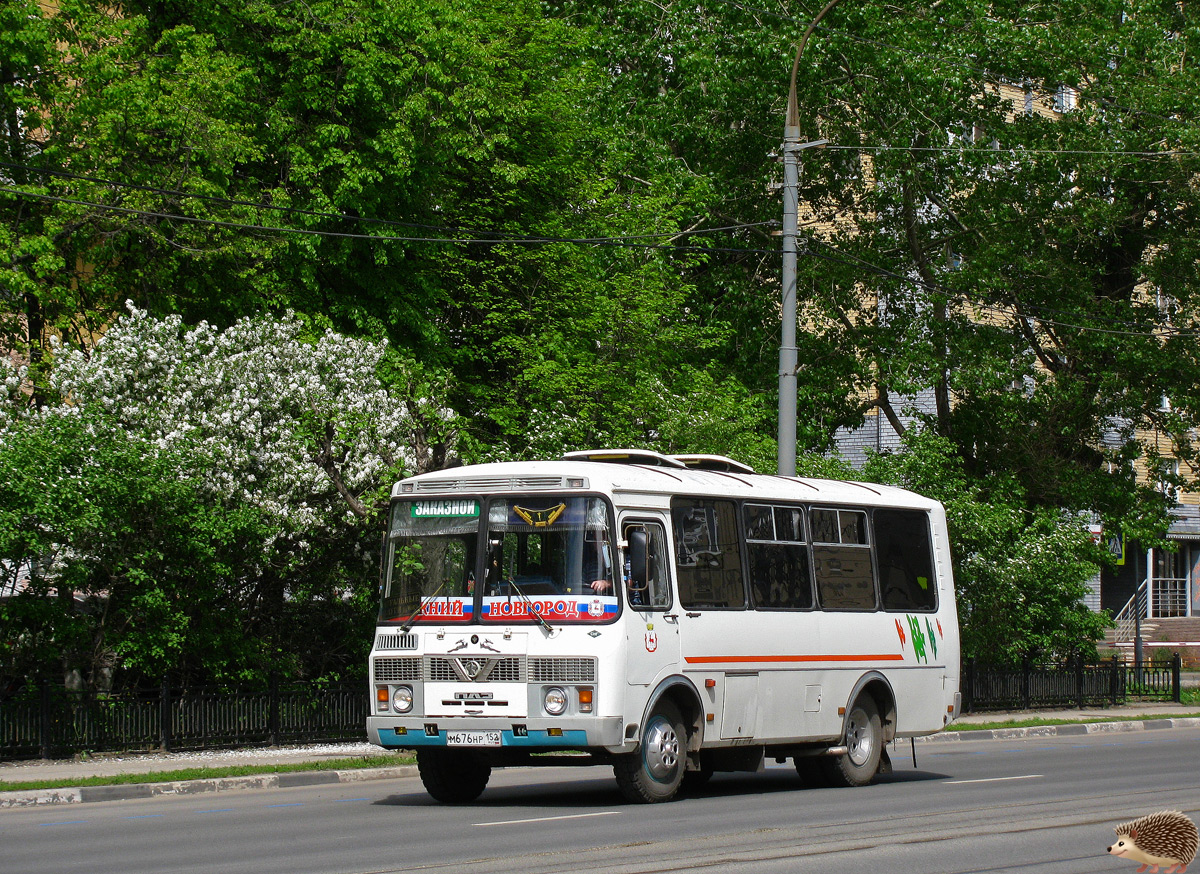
x=842, y=560
x=905, y=560
x=777, y=555
x=708, y=553
x=651, y=590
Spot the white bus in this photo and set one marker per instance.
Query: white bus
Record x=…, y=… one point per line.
x=670, y=616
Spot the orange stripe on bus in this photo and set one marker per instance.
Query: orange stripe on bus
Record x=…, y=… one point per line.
x=884, y=657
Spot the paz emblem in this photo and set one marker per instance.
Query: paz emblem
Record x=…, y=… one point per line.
x=651, y=641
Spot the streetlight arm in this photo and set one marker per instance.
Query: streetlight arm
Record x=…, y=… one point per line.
x=793, y=112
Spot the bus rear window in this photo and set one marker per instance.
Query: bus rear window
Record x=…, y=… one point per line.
x=902, y=547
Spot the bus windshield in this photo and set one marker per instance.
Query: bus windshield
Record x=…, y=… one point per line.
x=547, y=556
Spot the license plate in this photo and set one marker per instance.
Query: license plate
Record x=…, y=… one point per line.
x=473, y=738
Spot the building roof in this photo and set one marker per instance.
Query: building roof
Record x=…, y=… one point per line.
x=1185, y=523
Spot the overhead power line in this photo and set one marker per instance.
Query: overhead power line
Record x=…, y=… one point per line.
x=1044, y=315
x=984, y=151
x=1040, y=313
x=614, y=242
x=477, y=236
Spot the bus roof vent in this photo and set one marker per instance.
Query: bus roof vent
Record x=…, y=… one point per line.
x=625, y=456
x=489, y=484
x=713, y=462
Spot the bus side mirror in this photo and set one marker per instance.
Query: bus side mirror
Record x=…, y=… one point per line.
x=639, y=560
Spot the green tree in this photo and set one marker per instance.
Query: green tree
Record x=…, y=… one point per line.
x=447, y=177
x=1034, y=269
x=195, y=483
x=127, y=566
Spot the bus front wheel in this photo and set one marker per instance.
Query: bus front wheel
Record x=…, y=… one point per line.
x=453, y=777
x=654, y=772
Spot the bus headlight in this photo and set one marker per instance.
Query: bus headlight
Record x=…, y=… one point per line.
x=402, y=699
x=555, y=701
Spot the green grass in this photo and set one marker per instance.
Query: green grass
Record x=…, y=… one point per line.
x=1034, y=721
x=213, y=773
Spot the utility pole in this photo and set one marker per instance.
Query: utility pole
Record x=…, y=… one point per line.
x=792, y=146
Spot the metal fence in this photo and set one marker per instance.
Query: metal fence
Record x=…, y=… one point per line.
x=1074, y=684
x=49, y=722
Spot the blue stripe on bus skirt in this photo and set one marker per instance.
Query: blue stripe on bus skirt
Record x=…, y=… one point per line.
x=570, y=738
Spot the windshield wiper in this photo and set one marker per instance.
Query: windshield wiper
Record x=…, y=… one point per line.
x=536, y=615
x=420, y=607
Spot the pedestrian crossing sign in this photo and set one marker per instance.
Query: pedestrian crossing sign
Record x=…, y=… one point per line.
x=1116, y=547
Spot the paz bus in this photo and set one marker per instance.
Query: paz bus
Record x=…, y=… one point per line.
x=669, y=616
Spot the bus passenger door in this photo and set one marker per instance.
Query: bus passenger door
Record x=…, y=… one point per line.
x=652, y=627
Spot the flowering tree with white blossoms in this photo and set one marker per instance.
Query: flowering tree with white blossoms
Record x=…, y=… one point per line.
x=299, y=436
x=289, y=425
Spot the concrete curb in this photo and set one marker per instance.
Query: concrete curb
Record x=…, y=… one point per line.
x=126, y=791
x=1062, y=730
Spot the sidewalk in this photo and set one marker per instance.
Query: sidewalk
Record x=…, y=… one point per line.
x=1124, y=717
x=113, y=764
x=1129, y=717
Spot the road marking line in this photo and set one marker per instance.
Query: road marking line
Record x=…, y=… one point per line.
x=549, y=818
x=995, y=779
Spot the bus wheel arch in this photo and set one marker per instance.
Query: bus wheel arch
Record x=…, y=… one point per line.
x=686, y=699
x=876, y=686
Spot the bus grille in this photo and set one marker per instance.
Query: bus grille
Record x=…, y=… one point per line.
x=508, y=669
x=505, y=669
x=440, y=670
x=396, y=641
x=391, y=670
x=576, y=670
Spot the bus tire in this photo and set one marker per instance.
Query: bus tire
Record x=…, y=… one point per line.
x=864, y=743
x=453, y=778
x=655, y=771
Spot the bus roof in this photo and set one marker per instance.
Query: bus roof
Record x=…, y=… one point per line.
x=626, y=472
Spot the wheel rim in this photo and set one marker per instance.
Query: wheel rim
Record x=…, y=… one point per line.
x=860, y=740
x=661, y=750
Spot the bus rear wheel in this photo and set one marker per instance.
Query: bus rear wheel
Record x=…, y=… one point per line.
x=864, y=747
x=453, y=777
x=655, y=771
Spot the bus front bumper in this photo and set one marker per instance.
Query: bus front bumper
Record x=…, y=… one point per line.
x=392, y=733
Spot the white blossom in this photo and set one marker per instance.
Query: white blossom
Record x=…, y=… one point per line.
x=266, y=415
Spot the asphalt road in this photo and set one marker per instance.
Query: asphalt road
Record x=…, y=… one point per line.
x=1048, y=805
